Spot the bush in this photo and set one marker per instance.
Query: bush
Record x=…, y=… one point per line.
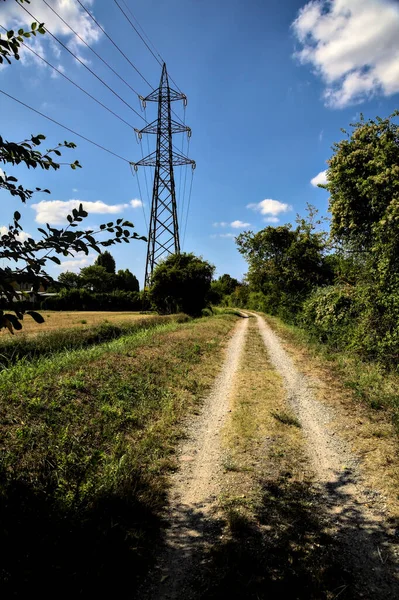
x=80, y=299
x=181, y=284
x=331, y=315
x=361, y=318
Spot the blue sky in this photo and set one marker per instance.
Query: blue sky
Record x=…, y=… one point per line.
x=269, y=85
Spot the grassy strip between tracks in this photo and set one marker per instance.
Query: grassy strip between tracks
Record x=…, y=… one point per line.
x=87, y=441
x=273, y=544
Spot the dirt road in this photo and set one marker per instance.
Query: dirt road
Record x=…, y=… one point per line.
x=353, y=518
x=356, y=516
x=196, y=484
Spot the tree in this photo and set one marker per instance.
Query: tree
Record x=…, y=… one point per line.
x=222, y=287
x=285, y=263
x=181, y=283
x=363, y=181
x=69, y=280
x=67, y=241
x=106, y=260
x=96, y=279
x=125, y=280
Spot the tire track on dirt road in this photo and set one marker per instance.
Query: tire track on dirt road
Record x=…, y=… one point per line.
x=353, y=517
x=196, y=485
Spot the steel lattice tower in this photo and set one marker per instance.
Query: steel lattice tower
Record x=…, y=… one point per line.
x=163, y=234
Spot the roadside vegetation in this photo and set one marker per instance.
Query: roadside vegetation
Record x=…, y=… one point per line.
x=22, y=348
x=341, y=285
x=88, y=438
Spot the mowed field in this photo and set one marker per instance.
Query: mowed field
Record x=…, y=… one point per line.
x=56, y=320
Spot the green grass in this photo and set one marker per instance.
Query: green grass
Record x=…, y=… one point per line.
x=20, y=348
x=87, y=441
x=286, y=419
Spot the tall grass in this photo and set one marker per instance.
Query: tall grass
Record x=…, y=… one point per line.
x=48, y=343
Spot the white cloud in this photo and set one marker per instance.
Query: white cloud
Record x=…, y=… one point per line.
x=234, y=224
x=270, y=207
x=136, y=203
x=222, y=235
x=239, y=224
x=321, y=178
x=55, y=211
x=13, y=17
x=22, y=235
x=271, y=220
x=75, y=264
x=353, y=45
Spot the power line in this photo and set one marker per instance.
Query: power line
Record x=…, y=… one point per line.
x=188, y=206
x=112, y=41
x=138, y=33
x=90, y=48
x=74, y=83
x=141, y=196
x=65, y=127
x=160, y=61
x=144, y=33
x=149, y=41
x=83, y=63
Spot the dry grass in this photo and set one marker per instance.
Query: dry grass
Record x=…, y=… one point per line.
x=88, y=440
x=369, y=431
x=57, y=320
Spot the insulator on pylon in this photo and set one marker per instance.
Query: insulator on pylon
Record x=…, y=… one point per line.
x=193, y=165
x=189, y=132
x=184, y=101
x=143, y=102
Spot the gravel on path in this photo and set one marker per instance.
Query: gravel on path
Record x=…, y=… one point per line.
x=354, y=515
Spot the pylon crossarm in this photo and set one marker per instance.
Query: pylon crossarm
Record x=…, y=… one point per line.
x=161, y=91
x=153, y=128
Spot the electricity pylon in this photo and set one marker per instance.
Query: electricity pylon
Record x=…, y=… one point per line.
x=163, y=234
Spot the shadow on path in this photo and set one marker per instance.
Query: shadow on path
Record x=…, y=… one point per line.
x=299, y=545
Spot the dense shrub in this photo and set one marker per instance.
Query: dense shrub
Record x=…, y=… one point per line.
x=80, y=299
x=331, y=315
x=181, y=283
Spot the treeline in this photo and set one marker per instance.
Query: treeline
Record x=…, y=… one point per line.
x=97, y=287
x=341, y=285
